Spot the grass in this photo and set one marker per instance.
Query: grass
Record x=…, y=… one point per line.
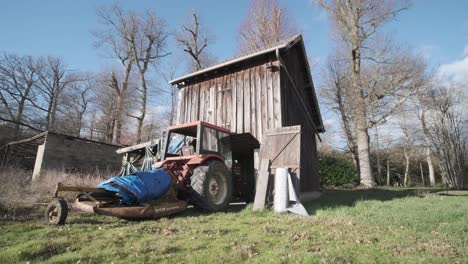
x=362, y=226
x=17, y=192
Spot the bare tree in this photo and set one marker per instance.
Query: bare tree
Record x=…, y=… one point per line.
x=75, y=103
x=136, y=39
x=114, y=37
x=265, y=24
x=168, y=72
x=18, y=75
x=54, y=78
x=356, y=22
x=148, y=43
x=377, y=154
x=194, y=39
x=113, y=103
x=447, y=135
x=407, y=143
x=423, y=107
x=335, y=94
x=389, y=85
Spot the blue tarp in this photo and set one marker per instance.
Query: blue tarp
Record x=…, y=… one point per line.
x=139, y=187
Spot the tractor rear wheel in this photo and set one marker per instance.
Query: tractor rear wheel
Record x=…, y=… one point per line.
x=211, y=186
x=57, y=211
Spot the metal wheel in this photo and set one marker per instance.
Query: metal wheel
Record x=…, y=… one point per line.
x=211, y=186
x=217, y=189
x=56, y=212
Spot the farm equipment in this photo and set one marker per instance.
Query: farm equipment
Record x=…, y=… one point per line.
x=196, y=156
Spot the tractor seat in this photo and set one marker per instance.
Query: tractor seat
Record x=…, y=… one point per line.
x=187, y=151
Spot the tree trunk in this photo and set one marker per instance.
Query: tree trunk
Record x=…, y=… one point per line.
x=362, y=136
x=422, y=174
x=388, y=172
x=79, y=121
x=173, y=107
x=117, y=127
x=141, y=118
x=110, y=121
x=49, y=111
x=355, y=155
x=407, y=161
x=117, y=130
x=347, y=129
x=367, y=178
x=53, y=112
x=431, y=167
x=428, y=149
x=91, y=129
x=379, y=167
x=19, y=118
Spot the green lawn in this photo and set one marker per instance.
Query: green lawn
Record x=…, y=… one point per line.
x=363, y=226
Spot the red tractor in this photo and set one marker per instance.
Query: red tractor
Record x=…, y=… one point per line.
x=198, y=155
x=199, y=159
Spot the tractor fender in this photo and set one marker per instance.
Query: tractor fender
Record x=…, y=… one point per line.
x=201, y=159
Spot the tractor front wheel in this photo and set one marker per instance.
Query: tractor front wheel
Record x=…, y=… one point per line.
x=57, y=211
x=211, y=186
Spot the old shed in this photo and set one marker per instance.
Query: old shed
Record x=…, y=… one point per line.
x=50, y=151
x=268, y=94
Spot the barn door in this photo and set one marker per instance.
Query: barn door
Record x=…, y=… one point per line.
x=283, y=147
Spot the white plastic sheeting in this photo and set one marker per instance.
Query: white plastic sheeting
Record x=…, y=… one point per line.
x=286, y=195
x=280, y=201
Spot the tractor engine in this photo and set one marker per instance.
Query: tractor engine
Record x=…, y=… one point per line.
x=180, y=173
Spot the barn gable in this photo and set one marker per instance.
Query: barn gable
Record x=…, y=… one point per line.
x=249, y=89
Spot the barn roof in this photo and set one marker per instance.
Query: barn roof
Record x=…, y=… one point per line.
x=284, y=44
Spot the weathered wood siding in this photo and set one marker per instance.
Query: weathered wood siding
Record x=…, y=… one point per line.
x=253, y=98
x=243, y=100
x=282, y=146
x=293, y=114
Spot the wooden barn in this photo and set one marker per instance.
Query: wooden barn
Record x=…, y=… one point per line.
x=269, y=95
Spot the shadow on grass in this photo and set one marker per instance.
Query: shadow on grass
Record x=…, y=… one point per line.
x=453, y=193
x=88, y=221
x=333, y=198
x=21, y=214
x=194, y=212
x=89, y=218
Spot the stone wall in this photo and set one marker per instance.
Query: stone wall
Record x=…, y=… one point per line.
x=68, y=153
x=6, y=135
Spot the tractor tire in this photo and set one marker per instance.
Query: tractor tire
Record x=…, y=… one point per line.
x=211, y=186
x=57, y=212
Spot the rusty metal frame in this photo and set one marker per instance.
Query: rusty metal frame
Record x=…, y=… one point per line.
x=62, y=188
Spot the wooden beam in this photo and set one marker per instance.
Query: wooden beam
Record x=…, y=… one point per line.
x=135, y=147
x=262, y=185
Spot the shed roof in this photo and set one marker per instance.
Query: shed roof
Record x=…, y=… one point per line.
x=283, y=44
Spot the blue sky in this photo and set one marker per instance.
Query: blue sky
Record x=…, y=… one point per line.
x=437, y=28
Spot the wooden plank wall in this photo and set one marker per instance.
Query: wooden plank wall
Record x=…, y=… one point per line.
x=293, y=114
x=246, y=100
x=254, y=99
x=283, y=147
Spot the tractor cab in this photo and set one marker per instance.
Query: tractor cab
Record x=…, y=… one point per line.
x=197, y=142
